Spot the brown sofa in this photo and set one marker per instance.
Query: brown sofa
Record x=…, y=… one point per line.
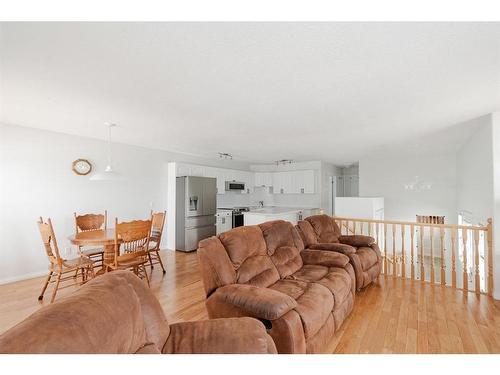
x=321, y=232
x=117, y=313
x=302, y=296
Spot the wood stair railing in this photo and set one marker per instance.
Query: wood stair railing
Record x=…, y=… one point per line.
x=463, y=254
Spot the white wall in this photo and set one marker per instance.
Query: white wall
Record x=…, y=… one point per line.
x=466, y=180
x=475, y=173
x=37, y=180
x=386, y=177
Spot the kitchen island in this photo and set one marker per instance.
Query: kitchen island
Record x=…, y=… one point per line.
x=291, y=214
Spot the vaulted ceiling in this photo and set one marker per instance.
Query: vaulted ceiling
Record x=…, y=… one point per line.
x=261, y=91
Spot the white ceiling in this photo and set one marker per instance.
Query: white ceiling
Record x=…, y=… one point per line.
x=261, y=91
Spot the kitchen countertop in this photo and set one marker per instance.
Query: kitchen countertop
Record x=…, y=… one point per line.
x=270, y=211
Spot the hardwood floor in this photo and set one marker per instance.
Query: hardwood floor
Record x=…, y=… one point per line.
x=391, y=316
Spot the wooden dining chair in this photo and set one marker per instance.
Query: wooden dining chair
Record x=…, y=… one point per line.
x=131, y=246
x=157, y=222
x=59, y=268
x=91, y=222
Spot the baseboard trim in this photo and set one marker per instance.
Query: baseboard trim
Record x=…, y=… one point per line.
x=26, y=276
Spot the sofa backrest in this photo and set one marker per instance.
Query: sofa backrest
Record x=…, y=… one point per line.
x=325, y=228
x=248, y=253
x=257, y=254
x=113, y=313
x=306, y=232
x=215, y=266
x=237, y=256
x=283, y=246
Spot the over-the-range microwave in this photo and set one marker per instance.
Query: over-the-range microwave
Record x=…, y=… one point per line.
x=234, y=185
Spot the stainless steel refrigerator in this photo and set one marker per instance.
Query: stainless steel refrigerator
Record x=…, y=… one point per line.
x=196, y=205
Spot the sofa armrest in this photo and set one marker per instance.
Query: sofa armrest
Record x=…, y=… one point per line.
x=261, y=303
x=338, y=247
x=357, y=240
x=219, y=336
x=324, y=258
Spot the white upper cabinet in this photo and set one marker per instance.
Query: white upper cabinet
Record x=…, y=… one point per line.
x=184, y=169
x=247, y=179
x=304, y=182
x=287, y=182
x=278, y=186
x=197, y=170
x=294, y=182
x=264, y=179
x=221, y=181
x=210, y=172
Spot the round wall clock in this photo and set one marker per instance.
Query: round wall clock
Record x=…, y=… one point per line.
x=81, y=167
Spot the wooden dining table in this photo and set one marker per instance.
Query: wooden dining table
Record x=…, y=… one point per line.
x=104, y=238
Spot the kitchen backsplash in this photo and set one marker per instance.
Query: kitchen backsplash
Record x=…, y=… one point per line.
x=235, y=199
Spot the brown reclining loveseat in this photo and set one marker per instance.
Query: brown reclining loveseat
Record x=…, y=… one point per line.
x=263, y=271
x=321, y=232
x=118, y=313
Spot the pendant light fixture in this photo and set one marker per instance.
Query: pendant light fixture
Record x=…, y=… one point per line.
x=108, y=174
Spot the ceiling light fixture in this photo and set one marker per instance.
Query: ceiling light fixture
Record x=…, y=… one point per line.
x=108, y=174
x=417, y=186
x=225, y=155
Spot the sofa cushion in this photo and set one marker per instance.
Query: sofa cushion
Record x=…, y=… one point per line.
x=306, y=232
x=290, y=287
x=336, y=279
x=314, y=302
x=258, y=270
x=325, y=228
x=338, y=282
x=367, y=256
x=277, y=233
x=287, y=260
x=281, y=246
x=314, y=307
x=310, y=272
x=215, y=265
x=248, y=253
x=109, y=314
x=242, y=243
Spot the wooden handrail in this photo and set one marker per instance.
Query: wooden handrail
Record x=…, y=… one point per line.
x=414, y=256
x=411, y=223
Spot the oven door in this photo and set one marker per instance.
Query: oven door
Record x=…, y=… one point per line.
x=237, y=219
